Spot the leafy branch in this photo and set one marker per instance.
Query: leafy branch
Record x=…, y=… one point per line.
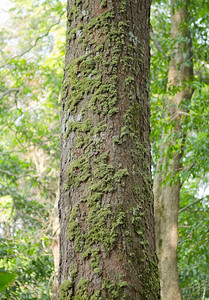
x=9, y=92
x=27, y=173
x=191, y=204
x=35, y=43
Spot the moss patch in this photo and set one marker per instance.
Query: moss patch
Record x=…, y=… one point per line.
x=91, y=99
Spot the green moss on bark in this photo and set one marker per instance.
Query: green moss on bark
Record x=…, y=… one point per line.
x=65, y=290
x=93, y=80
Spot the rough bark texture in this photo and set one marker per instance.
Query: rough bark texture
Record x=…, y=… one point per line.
x=106, y=201
x=167, y=195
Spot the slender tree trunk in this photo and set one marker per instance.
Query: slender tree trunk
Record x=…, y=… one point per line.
x=106, y=201
x=167, y=194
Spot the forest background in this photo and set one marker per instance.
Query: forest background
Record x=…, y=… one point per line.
x=32, y=49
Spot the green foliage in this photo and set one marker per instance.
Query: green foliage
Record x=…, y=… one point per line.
x=193, y=250
x=32, y=263
x=31, y=70
x=6, y=278
x=194, y=138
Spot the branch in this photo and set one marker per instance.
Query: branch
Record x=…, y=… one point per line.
x=27, y=173
x=203, y=295
x=35, y=43
x=185, y=208
x=177, y=114
x=9, y=173
x=8, y=92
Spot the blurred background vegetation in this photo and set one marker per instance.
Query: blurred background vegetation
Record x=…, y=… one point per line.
x=32, y=49
x=32, y=43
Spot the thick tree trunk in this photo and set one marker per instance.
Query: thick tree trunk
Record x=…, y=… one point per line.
x=167, y=194
x=106, y=201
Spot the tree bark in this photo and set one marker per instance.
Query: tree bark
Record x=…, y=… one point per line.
x=107, y=246
x=166, y=193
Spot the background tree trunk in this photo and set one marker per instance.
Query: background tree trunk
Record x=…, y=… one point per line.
x=106, y=201
x=166, y=192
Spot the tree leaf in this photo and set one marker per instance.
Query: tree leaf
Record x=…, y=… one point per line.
x=6, y=278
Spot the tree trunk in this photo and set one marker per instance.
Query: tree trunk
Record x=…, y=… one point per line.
x=106, y=201
x=167, y=194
